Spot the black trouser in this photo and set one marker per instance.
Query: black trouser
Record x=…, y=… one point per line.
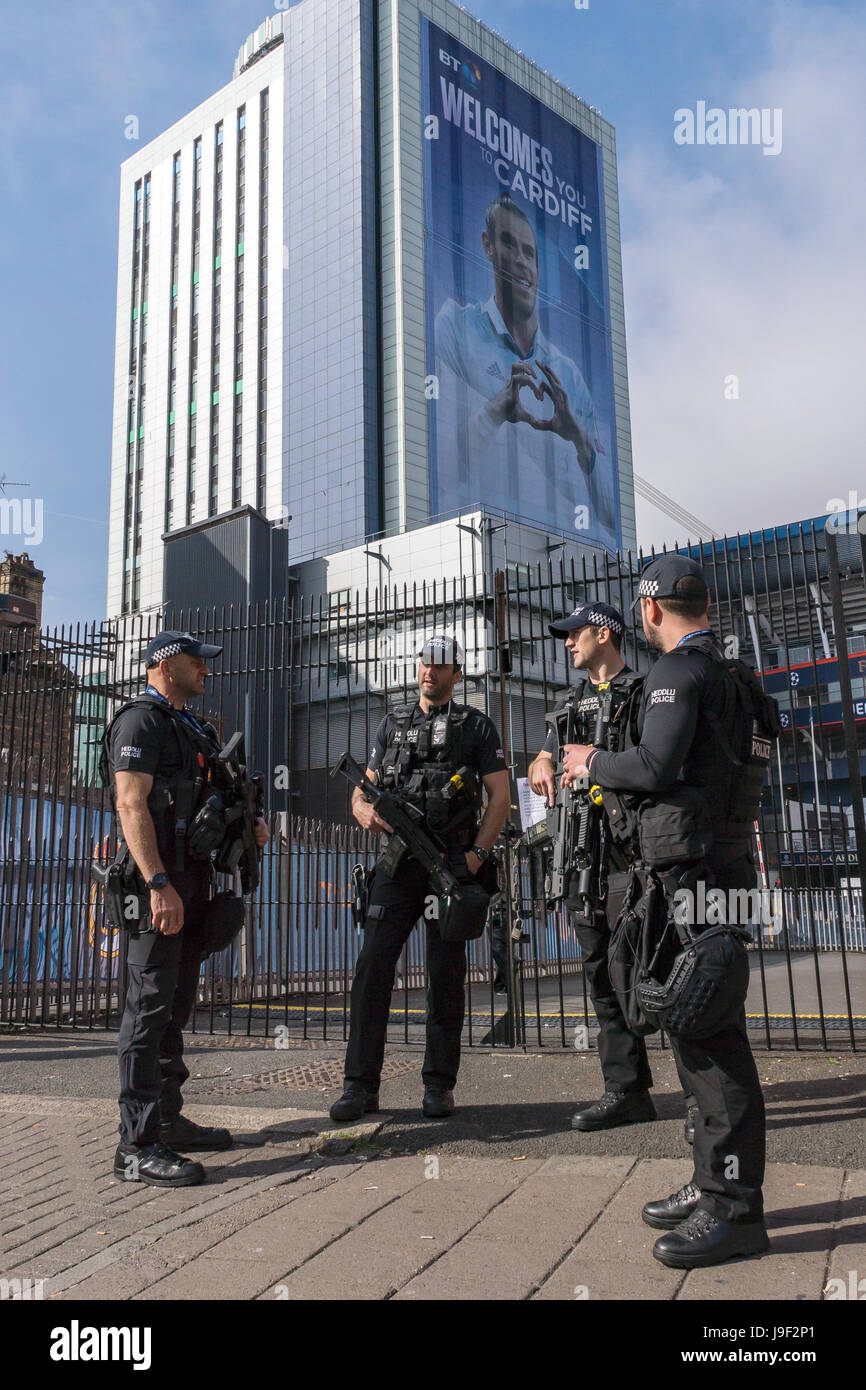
x=163, y=973
x=623, y=1056
x=730, y=1129
x=395, y=904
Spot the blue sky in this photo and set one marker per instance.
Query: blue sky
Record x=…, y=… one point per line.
x=733, y=262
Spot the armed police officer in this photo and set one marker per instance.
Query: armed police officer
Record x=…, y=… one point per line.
x=161, y=764
x=686, y=794
x=593, y=636
x=434, y=756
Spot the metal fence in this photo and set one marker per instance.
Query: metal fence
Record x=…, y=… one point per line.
x=310, y=676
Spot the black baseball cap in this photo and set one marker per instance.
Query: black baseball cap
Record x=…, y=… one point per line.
x=173, y=643
x=439, y=649
x=662, y=576
x=589, y=615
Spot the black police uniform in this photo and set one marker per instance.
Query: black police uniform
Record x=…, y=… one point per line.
x=684, y=725
x=403, y=760
x=150, y=736
x=623, y=1056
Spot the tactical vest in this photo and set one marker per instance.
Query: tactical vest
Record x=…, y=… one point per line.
x=590, y=707
x=172, y=801
x=731, y=751
x=420, y=762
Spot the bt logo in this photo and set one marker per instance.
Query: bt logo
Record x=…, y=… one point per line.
x=470, y=72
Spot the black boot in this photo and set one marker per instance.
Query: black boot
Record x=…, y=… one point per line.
x=438, y=1103
x=355, y=1101
x=670, y=1211
x=616, y=1108
x=705, y=1239
x=689, y=1126
x=181, y=1133
x=157, y=1165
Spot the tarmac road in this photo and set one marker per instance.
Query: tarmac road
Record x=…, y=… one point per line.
x=510, y=1103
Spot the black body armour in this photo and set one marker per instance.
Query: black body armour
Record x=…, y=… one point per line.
x=577, y=847
x=730, y=768
x=426, y=764
x=665, y=975
x=590, y=705
x=172, y=801
x=711, y=810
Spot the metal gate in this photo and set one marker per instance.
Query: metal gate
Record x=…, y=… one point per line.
x=310, y=677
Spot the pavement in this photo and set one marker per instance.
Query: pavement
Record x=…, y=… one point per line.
x=502, y=1201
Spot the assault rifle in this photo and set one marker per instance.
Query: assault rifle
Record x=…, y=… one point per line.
x=411, y=835
x=243, y=799
x=568, y=841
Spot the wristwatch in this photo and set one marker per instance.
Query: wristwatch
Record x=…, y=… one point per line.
x=158, y=881
x=482, y=854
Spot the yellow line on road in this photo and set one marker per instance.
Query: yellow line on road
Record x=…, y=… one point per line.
x=335, y=1009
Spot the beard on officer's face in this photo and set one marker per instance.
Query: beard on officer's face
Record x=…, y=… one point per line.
x=652, y=635
x=436, y=682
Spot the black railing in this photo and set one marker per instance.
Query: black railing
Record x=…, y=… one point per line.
x=307, y=679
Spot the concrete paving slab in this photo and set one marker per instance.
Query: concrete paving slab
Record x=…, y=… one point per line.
x=505, y=1202
x=317, y=1218
x=846, y=1273
x=376, y=1259
x=579, y=1278
x=515, y=1247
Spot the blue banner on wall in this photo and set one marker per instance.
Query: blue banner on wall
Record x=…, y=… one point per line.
x=520, y=375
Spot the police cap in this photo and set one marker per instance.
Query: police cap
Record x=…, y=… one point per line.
x=664, y=576
x=439, y=649
x=166, y=644
x=589, y=615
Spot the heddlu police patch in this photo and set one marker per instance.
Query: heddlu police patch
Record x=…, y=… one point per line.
x=664, y=695
x=128, y=751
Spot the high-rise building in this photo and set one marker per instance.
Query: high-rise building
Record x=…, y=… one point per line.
x=372, y=283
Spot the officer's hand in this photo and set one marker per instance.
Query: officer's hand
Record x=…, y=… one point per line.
x=166, y=910
x=369, y=819
x=574, y=756
x=473, y=863
x=542, y=779
x=262, y=833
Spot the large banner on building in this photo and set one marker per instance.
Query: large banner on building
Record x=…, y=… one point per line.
x=520, y=378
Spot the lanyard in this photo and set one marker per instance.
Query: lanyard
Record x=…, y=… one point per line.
x=698, y=632
x=184, y=713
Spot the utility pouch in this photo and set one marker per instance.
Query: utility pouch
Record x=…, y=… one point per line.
x=361, y=881
x=462, y=915
x=438, y=812
x=127, y=902
x=674, y=827
x=159, y=804
x=185, y=795
x=622, y=820
x=208, y=828
x=393, y=856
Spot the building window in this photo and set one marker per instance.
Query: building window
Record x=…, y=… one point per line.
x=237, y=420
x=261, y=441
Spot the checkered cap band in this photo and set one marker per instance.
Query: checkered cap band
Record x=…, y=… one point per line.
x=602, y=620
x=648, y=588
x=171, y=650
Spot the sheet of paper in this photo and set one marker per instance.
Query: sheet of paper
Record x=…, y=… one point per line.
x=532, y=806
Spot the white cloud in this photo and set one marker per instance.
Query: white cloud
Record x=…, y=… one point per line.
x=737, y=263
